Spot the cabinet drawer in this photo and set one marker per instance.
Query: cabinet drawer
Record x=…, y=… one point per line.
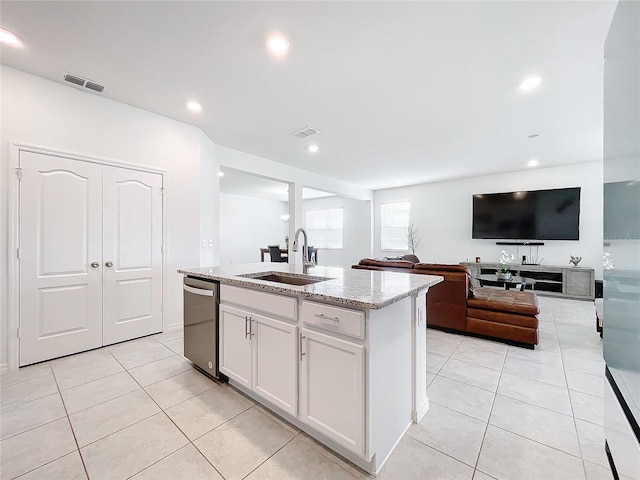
x=335, y=319
x=254, y=300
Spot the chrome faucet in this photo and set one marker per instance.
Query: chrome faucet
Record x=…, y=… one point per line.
x=305, y=252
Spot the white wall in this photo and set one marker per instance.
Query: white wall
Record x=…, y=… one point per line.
x=297, y=178
x=356, y=240
x=45, y=113
x=442, y=212
x=248, y=224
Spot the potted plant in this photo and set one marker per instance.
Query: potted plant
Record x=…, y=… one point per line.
x=504, y=271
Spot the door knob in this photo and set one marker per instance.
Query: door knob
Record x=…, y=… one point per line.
x=95, y=264
x=109, y=264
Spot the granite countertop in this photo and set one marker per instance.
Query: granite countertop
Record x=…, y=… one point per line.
x=350, y=287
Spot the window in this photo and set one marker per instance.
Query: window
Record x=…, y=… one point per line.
x=324, y=228
x=394, y=221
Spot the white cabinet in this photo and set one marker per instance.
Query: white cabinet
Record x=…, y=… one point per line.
x=354, y=379
x=275, y=372
x=235, y=345
x=332, y=388
x=260, y=353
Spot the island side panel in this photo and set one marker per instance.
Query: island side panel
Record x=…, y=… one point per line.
x=419, y=361
x=390, y=377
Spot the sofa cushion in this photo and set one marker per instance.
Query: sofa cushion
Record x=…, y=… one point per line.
x=443, y=267
x=511, y=301
x=381, y=262
x=529, y=321
x=514, y=333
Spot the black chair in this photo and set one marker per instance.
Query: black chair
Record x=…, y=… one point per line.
x=311, y=253
x=276, y=254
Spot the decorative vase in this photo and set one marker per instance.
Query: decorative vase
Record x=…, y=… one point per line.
x=503, y=275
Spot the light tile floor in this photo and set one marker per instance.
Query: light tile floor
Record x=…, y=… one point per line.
x=139, y=410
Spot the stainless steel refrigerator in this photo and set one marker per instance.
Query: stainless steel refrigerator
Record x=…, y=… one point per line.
x=621, y=274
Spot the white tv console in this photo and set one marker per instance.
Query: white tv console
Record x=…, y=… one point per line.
x=551, y=280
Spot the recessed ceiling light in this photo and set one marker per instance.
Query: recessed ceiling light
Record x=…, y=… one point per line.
x=194, y=106
x=529, y=83
x=313, y=148
x=532, y=163
x=221, y=174
x=277, y=44
x=9, y=38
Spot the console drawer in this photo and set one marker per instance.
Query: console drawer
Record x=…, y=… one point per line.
x=335, y=319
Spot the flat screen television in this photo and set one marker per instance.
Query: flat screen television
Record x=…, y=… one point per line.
x=530, y=215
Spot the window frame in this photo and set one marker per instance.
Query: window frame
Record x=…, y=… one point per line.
x=404, y=248
x=310, y=231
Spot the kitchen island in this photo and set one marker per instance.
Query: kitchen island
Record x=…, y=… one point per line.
x=340, y=353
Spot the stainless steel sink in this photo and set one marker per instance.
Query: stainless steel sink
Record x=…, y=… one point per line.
x=290, y=279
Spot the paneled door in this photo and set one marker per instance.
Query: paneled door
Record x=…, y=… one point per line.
x=132, y=265
x=90, y=259
x=60, y=257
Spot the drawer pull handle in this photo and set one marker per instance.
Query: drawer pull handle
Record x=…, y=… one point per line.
x=246, y=327
x=301, y=337
x=322, y=316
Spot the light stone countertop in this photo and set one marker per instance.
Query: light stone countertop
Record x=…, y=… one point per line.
x=349, y=287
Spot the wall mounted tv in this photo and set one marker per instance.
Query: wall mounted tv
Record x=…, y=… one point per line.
x=532, y=215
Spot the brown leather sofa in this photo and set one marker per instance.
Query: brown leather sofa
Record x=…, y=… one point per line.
x=456, y=306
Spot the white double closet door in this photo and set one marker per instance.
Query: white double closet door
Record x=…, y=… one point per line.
x=90, y=259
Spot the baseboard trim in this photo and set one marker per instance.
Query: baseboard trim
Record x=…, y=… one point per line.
x=421, y=412
x=174, y=326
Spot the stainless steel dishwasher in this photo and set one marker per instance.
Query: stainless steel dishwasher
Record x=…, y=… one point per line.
x=201, y=302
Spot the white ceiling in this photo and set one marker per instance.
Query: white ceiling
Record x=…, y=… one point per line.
x=402, y=92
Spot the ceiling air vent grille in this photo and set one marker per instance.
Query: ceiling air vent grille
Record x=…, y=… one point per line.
x=94, y=86
x=75, y=80
x=305, y=132
x=83, y=82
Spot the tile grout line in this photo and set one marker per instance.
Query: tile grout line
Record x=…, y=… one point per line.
x=39, y=377
x=75, y=439
x=575, y=425
x=493, y=402
x=440, y=451
x=539, y=442
x=566, y=388
x=270, y=456
x=189, y=442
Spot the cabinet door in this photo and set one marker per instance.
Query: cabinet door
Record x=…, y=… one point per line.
x=580, y=283
x=235, y=345
x=275, y=364
x=332, y=388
